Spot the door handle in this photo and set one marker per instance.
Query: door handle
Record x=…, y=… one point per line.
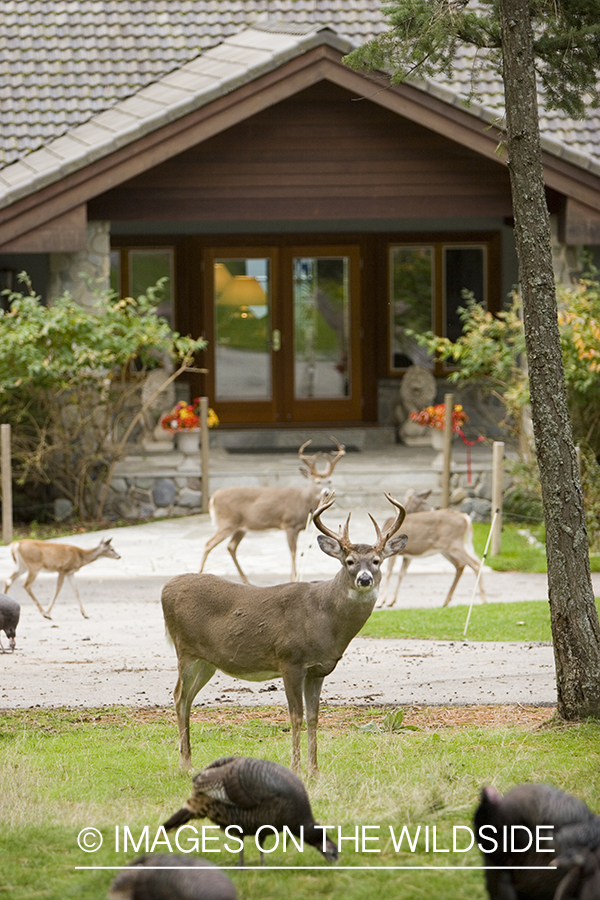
x=276, y=340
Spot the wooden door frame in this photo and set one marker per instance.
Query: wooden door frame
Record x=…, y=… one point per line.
x=323, y=409
x=242, y=411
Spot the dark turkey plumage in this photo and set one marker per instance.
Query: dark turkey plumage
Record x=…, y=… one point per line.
x=575, y=834
x=9, y=619
x=249, y=793
x=171, y=877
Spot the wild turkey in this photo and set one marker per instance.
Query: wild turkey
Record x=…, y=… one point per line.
x=171, y=877
x=575, y=832
x=249, y=793
x=583, y=879
x=9, y=619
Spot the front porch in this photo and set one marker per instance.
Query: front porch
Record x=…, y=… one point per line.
x=156, y=484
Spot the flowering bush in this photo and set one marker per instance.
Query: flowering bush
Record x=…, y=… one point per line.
x=435, y=417
x=186, y=417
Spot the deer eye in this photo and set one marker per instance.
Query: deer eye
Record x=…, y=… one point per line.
x=376, y=562
x=350, y=561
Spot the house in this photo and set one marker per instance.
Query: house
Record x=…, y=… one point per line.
x=305, y=214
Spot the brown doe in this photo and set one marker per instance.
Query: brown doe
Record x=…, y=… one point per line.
x=297, y=631
x=34, y=556
x=236, y=510
x=429, y=531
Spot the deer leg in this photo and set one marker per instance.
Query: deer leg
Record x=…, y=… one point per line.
x=403, y=568
x=212, y=542
x=476, y=565
x=292, y=681
x=292, y=539
x=59, y=584
x=73, y=584
x=193, y=675
x=232, y=546
x=385, y=581
x=31, y=576
x=459, y=570
x=21, y=567
x=312, y=694
x=460, y=561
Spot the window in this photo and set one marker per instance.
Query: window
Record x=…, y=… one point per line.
x=426, y=289
x=134, y=270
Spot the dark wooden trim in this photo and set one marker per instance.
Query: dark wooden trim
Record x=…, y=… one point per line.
x=67, y=233
x=323, y=63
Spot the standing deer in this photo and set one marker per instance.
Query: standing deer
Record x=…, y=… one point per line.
x=33, y=556
x=297, y=631
x=429, y=531
x=236, y=510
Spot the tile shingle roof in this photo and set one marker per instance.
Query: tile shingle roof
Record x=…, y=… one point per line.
x=64, y=62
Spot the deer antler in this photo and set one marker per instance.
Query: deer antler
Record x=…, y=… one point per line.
x=311, y=461
x=382, y=539
x=342, y=537
x=333, y=461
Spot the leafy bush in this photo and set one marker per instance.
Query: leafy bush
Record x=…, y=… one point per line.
x=70, y=381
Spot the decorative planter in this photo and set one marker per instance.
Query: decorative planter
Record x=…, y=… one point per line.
x=188, y=443
x=437, y=442
x=437, y=439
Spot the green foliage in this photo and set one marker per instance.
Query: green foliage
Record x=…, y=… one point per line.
x=69, y=384
x=426, y=35
x=579, y=322
x=65, y=770
x=490, y=352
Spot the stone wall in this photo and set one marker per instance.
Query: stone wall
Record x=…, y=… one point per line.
x=153, y=497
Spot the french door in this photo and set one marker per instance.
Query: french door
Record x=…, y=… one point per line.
x=284, y=333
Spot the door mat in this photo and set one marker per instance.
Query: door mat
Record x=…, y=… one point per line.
x=312, y=448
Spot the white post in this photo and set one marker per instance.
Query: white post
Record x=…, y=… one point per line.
x=448, y=435
x=497, y=483
x=5, y=466
x=204, y=450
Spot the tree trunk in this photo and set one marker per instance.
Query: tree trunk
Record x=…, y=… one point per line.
x=575, y=628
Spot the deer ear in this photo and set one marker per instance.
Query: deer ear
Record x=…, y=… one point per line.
x=330, y=547
x=395, y=545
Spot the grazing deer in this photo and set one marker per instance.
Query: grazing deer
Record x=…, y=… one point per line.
x=429, y=531
x=297, y=631
x=236, y=510
x=33, y=556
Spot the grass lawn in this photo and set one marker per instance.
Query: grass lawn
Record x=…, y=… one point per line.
x=526, y=621
x=62, y=771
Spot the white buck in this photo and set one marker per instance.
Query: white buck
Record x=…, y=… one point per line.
x=445, y=531
x=297, y=631
x=34, y=556
x=236, y=510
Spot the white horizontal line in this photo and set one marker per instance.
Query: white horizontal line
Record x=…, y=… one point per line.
x=334, y=868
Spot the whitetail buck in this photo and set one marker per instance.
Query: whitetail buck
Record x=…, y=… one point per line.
x=296, y=631
x=34, y=556
x=429, y=531
x=236, y=510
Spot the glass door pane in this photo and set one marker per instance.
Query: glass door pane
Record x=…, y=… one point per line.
x=242, y=316
x=411, y=304
x=464, y=271
x=321, y=292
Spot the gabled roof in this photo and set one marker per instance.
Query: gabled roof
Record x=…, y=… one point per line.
x=64, y=61
x=171, y=110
